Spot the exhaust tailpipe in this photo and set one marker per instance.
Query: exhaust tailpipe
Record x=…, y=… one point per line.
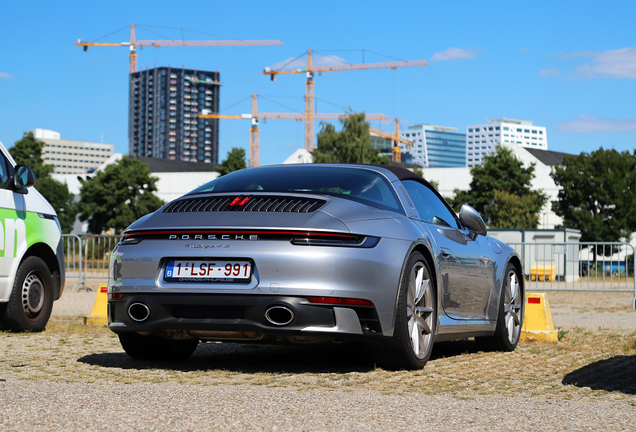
x=138, y=312
x=279, y=315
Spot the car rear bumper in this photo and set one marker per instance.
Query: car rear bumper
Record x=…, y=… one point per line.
x=224, y=316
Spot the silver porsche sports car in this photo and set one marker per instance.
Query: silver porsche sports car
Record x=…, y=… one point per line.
x=313, y=253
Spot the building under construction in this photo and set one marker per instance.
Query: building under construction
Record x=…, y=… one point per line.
x=163, y=117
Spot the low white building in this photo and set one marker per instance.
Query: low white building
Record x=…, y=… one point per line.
x=483, y=138
x=176, y=178
x=71, y=157
x=450, y=179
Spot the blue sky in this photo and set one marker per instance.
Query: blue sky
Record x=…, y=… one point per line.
x=569, y=66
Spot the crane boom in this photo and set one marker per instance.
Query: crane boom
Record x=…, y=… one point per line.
x=396, y=154
x=160, y=43
x=133, y=44
x=359, y=66
x=309, y=85
x=255, y=116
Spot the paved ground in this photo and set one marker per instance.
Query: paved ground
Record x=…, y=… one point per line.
x=152, y=407
x=44, y=405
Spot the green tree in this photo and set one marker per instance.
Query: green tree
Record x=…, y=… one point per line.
x=61, y=199
x=502, y=171
x=351, y=145
x=118, y=196
x=514, y=211
x=235, y=161
x=28, y=151
x=597, y=195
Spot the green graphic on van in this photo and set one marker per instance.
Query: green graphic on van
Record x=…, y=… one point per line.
x=29, y=227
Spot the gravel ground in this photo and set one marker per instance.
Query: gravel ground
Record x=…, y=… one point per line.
x=37, y=406
x=57, y=405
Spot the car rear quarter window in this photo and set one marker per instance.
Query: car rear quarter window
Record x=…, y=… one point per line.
x=429, y=206
x=357, y=184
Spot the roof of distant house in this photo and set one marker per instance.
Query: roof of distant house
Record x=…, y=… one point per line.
x=548, y=157
x=157, y=165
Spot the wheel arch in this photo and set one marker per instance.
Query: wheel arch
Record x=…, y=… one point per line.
x=516, y=263
x=46, y=254
x=424, y=247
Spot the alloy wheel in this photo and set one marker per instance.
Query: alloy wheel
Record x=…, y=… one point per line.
x=512, y=307
x=420, y=310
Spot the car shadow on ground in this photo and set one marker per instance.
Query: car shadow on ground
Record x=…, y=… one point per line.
x=254, y=358
x=613, y=374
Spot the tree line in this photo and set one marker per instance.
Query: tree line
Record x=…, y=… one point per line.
x=595, y=196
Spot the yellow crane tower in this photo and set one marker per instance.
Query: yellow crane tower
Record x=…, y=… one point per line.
x=396, y=154
x=255, y=116
x=310, y=70
x=134, y=43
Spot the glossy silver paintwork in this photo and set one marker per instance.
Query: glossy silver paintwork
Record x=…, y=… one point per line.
x=467, y=270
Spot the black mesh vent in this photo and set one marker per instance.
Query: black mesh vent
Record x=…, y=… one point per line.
x=245, y=203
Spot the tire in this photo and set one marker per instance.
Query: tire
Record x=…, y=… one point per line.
x=155, y=348
x=509, y=315
x=416, y=318
x=31, y=300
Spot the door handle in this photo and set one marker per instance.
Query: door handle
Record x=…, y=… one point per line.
x=445, y=252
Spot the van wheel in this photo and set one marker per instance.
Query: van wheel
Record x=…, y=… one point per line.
x=31, y=300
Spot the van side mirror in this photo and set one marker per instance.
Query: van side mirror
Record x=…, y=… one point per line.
x=472, y=220
x=23, y=178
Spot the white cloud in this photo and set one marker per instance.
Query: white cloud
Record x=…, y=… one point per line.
x=555, y=72
x=4, y=75
x=524, y=50
x=590, y=124
x=455, y=54
x=619, y=63
x=301, y=62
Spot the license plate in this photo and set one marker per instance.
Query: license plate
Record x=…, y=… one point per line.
x=208, y=271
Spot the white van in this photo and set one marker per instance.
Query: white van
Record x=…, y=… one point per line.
x=31, y=250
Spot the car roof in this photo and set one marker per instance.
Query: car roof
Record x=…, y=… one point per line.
x=399, y=172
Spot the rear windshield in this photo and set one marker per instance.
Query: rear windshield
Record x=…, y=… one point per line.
x=362, y=185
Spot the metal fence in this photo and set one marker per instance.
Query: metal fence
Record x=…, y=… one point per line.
x=592, y=266
x=607, y=267
x=87, y=256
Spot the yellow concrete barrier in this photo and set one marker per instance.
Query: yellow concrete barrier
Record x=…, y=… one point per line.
x=537, y=322
x=99, y=314
x=543, y=272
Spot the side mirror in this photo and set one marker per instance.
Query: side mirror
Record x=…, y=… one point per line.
x=471, y=219
x=23, y=177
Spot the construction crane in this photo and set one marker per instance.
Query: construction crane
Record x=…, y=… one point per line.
x=396, y=154
x=134, y=43
x=255, y=116
x=309, y=85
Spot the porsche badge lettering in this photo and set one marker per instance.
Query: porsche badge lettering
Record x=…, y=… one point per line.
x=212, y=237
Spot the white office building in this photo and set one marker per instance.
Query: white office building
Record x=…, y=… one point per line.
x=71, y=157
x=482, y=139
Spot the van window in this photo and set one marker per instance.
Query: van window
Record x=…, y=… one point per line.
x=4, y=172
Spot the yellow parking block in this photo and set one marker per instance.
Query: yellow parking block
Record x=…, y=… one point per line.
x=99, y=314
x=537, y=323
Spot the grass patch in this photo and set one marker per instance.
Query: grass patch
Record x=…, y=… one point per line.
x=577, y=366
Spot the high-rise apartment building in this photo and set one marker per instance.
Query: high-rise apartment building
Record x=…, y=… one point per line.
x=71, y=157
x=163, y=114
x=435, y=146
x=482, y=139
